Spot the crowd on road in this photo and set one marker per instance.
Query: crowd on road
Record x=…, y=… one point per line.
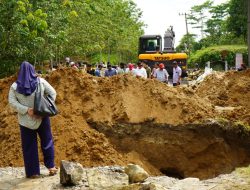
x=139, y=70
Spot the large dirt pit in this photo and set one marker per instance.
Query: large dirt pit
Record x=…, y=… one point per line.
x=194, y=150
x=199, y=131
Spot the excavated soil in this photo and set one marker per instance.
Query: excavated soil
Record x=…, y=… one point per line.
x=88, y=105
x=194, y=150
x=229, y=90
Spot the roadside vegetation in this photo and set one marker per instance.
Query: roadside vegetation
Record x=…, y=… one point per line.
x=51, y=30
x=224, y=31
x=214, y=54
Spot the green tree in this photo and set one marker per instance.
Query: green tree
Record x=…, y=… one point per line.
x=216, y=25
x=50, y=30
x=109, y=27
x=22, y=31
x=188, y=44
x=237, y=21
x=226, y=26
x=198, y=15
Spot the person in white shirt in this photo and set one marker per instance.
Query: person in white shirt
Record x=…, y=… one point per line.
x=161, y=74
x=140, y=71
x=121, y=70
x=176, y=74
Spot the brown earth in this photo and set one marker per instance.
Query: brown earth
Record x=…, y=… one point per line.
x=84, y=100
x=228, y=89
x=194, y=150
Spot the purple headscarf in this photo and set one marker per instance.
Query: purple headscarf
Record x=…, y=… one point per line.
x=27, y=79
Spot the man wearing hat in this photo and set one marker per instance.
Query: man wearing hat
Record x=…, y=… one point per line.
x=130, y=69
x=176, y=74
x=73, y=65
x=161, y=74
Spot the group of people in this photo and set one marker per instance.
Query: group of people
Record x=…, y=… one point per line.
x=140, y=70
x=160, y=73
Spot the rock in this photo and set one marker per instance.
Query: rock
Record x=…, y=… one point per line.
x=70, y=173
x=136, y=186
x=106, y=178
x=136, y=173
x=161, y=182
x=188, y=184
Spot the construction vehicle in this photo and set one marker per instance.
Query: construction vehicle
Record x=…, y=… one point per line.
x=151, y=52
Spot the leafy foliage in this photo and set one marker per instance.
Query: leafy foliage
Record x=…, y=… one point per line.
x=213, y=54
x=238, y=18
x=198, y=17
x=226, y=26
x=51, y=30
x=188, y=44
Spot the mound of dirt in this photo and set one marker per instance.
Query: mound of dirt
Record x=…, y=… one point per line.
x=125, y=99
x=228, y=89
x=74, y=140
x=83, y=99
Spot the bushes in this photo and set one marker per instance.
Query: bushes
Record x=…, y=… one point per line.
x=213, y=54
x=8, y=68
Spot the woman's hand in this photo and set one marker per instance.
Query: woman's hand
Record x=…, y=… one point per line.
x=31, y=112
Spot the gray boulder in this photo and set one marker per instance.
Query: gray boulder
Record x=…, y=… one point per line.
x=161, y=182
x=106, y=178
x=71, y=173
x=136, y=173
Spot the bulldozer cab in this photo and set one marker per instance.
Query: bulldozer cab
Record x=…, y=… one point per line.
x=150, y=44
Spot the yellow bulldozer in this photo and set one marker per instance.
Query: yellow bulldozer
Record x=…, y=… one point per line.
x=151, y=52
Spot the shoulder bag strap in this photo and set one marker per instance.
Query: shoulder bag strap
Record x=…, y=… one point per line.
x=38, y=87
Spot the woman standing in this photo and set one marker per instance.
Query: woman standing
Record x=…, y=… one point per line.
x=21, y=98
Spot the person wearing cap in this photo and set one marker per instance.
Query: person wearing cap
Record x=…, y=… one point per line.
x=73, y=65
x=140, y=71
x=130, y=69
x=110, y=71
x=161, y=74
x=176, y=74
